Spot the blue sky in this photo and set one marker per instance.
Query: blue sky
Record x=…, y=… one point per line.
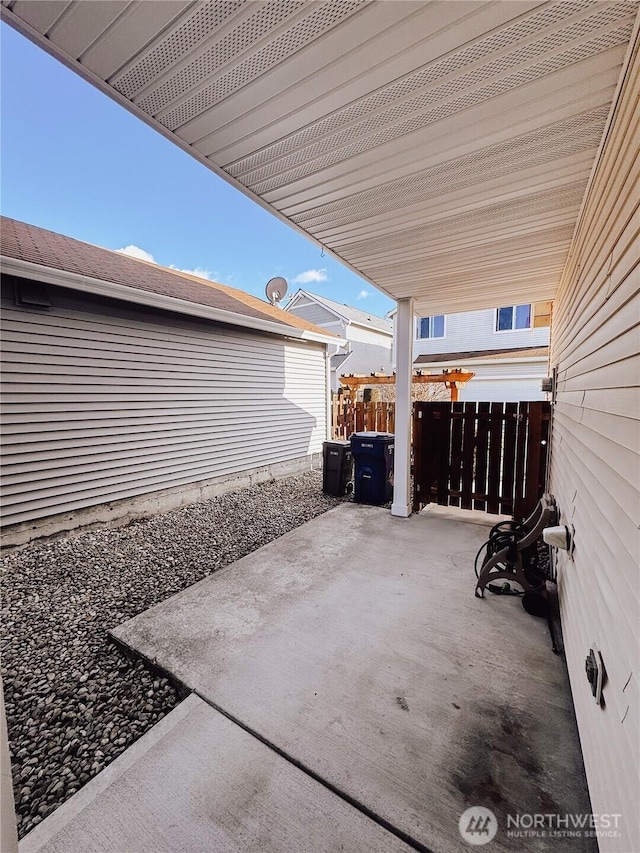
x=75, y=162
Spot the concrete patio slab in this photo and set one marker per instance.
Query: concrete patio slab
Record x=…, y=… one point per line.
x=197, y=782
x=354, y=644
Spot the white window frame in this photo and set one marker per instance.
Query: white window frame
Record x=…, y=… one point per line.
x=431, y=337
x=497, y=331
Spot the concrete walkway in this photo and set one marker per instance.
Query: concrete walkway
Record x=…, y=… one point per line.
x=197, y=782
x=381, y=696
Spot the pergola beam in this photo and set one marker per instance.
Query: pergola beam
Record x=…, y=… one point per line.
x=450, y=378
x=354, y=380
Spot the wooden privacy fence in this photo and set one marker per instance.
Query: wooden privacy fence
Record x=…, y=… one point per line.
x=348, y=417
x=487, y=456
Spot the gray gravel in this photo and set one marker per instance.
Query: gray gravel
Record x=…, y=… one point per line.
x=75, y=701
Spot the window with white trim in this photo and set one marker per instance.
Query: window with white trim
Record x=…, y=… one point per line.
x=430, y=327
x=514, y=317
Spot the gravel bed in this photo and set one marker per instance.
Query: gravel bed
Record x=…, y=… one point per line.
x=74, y=700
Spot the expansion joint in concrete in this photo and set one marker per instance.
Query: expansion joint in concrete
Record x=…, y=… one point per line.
x=356, y=804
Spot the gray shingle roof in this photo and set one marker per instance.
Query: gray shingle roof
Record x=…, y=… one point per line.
x=489, y=354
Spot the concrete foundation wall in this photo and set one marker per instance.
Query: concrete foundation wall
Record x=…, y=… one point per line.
x=116, y=513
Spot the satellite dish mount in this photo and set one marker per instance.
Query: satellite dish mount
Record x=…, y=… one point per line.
x=276, y=289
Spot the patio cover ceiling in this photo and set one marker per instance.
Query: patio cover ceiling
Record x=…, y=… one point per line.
x=440, y=149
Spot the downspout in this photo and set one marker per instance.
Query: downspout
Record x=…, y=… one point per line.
x=332, y=349
x=327, y=374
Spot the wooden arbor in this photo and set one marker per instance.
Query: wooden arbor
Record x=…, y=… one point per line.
x=451, y=378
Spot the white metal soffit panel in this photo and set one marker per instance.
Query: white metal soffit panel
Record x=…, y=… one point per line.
x=441, y=150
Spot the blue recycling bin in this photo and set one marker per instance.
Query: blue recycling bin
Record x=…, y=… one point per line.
x=373, y=459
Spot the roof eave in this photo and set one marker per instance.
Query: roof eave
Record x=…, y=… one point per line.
x=12, y=20
x=99, y=287
x=486, y=360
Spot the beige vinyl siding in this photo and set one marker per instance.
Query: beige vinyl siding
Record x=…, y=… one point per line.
x=102, y=403
x=595, y=465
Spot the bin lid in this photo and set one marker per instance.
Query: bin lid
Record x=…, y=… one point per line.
x=373, y=435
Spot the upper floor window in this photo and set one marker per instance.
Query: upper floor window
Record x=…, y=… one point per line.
x=513, y=317
x=431, y=327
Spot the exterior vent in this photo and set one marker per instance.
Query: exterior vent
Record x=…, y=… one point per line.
x=32, y=294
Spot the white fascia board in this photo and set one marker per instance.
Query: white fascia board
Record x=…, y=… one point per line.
x=294, y=299
x=98, y=287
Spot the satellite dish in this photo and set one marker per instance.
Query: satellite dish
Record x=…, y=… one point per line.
x=276, y=289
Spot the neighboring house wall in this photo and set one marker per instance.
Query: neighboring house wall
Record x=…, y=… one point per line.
x=595, y=463
x=336, y=328
x=475, y=330
x=496, y=380
x=499, y=381
x=359, y=334
x=370, y=350
x=104, y=402
x=309, y=310
x=370, y=353
x=367, y=358
x=508, y=383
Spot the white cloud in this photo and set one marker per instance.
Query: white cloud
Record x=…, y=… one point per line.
x=137, y=252
x=363, y=294
x=198, y=271
x=140, y=254
x=310, y=275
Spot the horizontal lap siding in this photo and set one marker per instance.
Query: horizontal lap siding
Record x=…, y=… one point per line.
x=313, y=313
x=110, y=404
x=595, y=467
x=504, y=382
x=476, y=330
x=488, y=390
x=367, y=359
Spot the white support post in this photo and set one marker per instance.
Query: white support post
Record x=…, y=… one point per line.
x=402, y=502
